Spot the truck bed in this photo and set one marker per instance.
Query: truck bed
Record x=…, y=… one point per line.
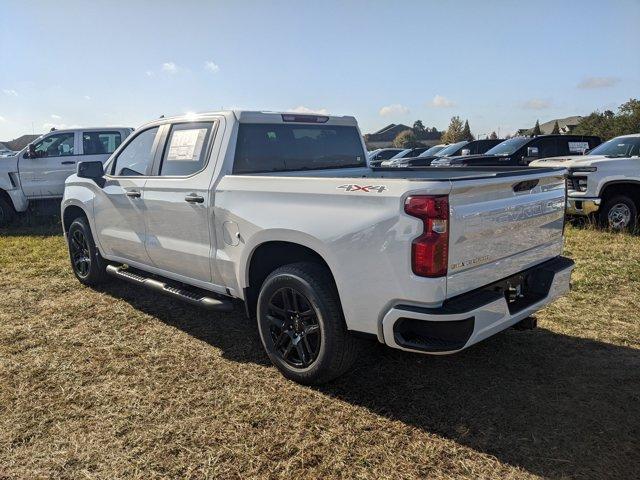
x=423, y=174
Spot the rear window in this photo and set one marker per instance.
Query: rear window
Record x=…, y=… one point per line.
x=277, y=148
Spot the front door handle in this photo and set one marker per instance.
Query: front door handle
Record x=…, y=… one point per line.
x=133, y=194
x=68, y=162
x=193, y=198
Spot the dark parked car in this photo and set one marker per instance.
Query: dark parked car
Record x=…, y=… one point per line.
x=410, y=152
x=381, y=154
x=520, y=151
x=455, y=149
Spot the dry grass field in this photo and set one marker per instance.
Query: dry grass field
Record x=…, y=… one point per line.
x=125, y=383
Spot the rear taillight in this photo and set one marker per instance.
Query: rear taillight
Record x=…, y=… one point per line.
x=430, y=251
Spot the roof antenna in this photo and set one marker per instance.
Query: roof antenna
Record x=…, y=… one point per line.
x=161, y=116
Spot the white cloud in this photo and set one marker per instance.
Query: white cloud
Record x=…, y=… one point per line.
x=2, y=119
x=211, y=66
x=10, y=92
x=169, y=67
x=598, y=82
x=395, y=109
x=303, y=109
x=56, y=117
x=536, y=104
x=442, y=102
x=149, y=73
x=87, y=97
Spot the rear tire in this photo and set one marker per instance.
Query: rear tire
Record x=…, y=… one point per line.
x=7, y=213
x=301, y=324
x=86, y=262
x=619, y=213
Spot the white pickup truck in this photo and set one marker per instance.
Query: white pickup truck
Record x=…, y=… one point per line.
x=282, y=212
x=605, y=182
x=39, y=170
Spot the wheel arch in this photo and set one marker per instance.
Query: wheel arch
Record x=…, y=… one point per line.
x=70, y=213
x=269, y=255
x=5, y=196
x=630, y=188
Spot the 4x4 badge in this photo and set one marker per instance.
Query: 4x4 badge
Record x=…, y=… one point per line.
x=364, y=188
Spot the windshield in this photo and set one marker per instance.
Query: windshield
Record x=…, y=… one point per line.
x=432, y=151
x=401, y=154
x=508, y=147
x=619, y=147
x=285, y=147
x=451, y=149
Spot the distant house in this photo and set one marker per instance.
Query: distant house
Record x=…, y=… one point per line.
x=566, y=125
x=19, y=143
x=384, y=137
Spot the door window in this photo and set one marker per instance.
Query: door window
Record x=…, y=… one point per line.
x=546, y=147
x=137, y=156
x=100, y=143
x=186, y=150
x=57, y=145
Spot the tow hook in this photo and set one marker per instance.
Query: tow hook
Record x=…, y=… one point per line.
x=528, y=323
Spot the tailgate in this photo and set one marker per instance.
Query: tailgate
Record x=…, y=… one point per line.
x=500, y=226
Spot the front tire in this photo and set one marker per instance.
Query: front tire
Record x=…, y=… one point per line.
x=619, y=213
x=7, y=213
x=301, y=324
x=86, y=262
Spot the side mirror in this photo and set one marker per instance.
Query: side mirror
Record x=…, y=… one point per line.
x=532, y=151
x=465, y=152
x=91, y=170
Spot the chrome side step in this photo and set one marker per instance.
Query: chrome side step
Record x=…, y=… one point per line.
x=210, y=303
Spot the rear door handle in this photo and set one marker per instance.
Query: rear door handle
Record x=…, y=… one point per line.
x=193, y=198
x=68, y=162
x=133, y=194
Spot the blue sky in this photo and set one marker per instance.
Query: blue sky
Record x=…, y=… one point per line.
x=501, y=64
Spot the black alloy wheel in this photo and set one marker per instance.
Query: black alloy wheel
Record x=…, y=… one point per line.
x=294, y=327
x=80, y=254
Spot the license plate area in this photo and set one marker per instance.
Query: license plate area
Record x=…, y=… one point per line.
x=525, y=288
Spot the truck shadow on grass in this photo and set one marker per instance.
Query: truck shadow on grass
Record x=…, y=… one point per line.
x=552, y=404
x=42, y=219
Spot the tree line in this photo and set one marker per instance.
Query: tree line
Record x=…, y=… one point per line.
x=605, y=125
x=608, y=124
x=456, y=132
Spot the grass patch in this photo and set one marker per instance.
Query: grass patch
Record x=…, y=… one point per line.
x=125, y=383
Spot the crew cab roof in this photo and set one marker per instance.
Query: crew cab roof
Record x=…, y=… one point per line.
x=280, y=117
x=86, y=129
x=249, y=116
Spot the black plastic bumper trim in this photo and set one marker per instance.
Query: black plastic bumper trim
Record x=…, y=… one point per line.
x=451, y=335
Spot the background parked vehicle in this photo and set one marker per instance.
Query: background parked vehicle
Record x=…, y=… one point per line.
x=39, y=170
x=455, y=149
x=604, y=183
x=314, y=261
x=433, y=150
x=377, y=156
x=410, y=152
x=5, y=152
x=520, y=151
